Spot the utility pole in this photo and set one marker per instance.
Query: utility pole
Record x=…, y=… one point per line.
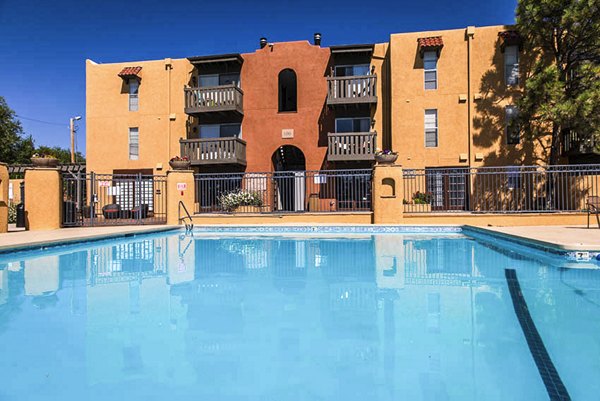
x=72, y=128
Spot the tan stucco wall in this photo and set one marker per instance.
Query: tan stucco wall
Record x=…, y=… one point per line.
x=508, y=219
x=108, y=118
x=486, y=96
x=175, y=195
x=43, y=194
x=3, y=198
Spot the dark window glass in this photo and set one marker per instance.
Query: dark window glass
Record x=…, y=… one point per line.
x=287, y=91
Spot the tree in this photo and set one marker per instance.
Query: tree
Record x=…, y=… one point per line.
x=15, y=147
x=63, y=155
x=562, y=93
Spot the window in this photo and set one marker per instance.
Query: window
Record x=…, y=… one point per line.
x=511, y=65
x=134, y=144
x=431, y=128
x=287, y=91
x=219, y=79
x=351, y=70
x=220, y=130
x=134, y=86
x=360, y=124
x=512, y=129
x=430, y=68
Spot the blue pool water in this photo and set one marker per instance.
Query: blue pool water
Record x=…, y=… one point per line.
x=297, y=317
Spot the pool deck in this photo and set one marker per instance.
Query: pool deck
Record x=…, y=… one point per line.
x=13, y=241
x=565, y=238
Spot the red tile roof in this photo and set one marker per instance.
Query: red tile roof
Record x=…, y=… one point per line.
x=130, y=72
x=434, y=41
x=510, y=35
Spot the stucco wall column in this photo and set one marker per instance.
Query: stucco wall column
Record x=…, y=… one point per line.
x=43, y=196
x=3, y=198
x=180, y=187
x=388, y=189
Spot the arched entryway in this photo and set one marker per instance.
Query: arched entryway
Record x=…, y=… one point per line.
x=289, y=165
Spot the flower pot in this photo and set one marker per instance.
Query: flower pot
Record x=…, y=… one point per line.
x=386, y=159
x=417, y=208
x=180, y=164
x=248, y=209
x=48, y=162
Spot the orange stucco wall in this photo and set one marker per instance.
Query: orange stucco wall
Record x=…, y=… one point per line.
x=160, y=118
x=470, y=77
x=263, y=124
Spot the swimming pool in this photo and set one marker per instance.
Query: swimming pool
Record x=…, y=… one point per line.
x=438, y=315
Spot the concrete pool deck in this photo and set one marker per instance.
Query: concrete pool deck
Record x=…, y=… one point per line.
x=566, y=238
x=14, y=241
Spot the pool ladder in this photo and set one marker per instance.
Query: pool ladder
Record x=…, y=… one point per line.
x=187, y=219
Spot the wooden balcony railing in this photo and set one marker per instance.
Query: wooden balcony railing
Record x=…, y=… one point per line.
x=352, y=90
x=214, y=99
x=214, y=151
x=351, y=146
x=575, y=145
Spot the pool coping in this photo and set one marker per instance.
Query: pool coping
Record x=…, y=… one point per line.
x=91, y=237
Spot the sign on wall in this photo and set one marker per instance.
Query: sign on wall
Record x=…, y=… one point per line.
x=287, y=133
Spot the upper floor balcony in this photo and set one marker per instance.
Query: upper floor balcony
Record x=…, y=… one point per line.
x=351, y=146
x=574, y=145
x=214, y=99
x=208, y=151
x=360, y=89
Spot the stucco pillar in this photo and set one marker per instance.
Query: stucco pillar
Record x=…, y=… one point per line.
x=3, y=198
x=387, y=194
x=180, y=187
x=43, y=199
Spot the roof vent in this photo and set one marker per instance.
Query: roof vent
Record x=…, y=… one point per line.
x=263, y=42
x=317, y=39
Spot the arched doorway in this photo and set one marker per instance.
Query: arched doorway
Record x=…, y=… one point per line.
x=289, y=165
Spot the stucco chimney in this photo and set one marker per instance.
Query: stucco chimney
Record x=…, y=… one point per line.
x=263, y=42
x=317, y=39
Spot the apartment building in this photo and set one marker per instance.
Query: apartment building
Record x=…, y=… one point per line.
x=441, y=99
x=285, y=106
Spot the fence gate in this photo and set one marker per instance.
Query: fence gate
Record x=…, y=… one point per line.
x=113, y=199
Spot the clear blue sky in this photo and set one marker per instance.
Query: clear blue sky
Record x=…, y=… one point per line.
x=44, y=44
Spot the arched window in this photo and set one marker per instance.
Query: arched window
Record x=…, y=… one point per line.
x=287, y=90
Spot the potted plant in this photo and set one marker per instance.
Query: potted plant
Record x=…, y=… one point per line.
x=239, y=201
x=421, y=202
x=43, y=160
x=386, y=156
x=180, y=163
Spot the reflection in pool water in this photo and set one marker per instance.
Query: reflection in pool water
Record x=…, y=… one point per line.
x=377, y=317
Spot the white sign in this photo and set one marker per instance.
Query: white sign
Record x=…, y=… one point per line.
x=181, y=186
x=287, y=133
x=104, y=183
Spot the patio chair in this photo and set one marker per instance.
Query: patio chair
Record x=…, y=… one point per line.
x=593, y=207
x=112, y=211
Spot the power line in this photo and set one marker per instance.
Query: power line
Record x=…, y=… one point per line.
x=41, y=121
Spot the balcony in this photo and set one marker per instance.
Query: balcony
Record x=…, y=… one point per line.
x=573, y=145
x=351, y=146
x=214, y=99
x=214, y=151
x=352, y=90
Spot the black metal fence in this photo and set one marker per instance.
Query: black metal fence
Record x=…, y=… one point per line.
x=286, y=191
x=113, y=199
x=501, y=189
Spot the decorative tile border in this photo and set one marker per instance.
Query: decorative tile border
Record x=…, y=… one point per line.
x=365, y=229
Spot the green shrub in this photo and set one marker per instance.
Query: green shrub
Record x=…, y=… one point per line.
x=12, y=213
x=231, y=200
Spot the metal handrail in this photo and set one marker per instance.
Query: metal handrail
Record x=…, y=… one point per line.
x=188, y=226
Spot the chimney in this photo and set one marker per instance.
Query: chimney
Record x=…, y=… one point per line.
x=317, y=39
x=263, y=42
